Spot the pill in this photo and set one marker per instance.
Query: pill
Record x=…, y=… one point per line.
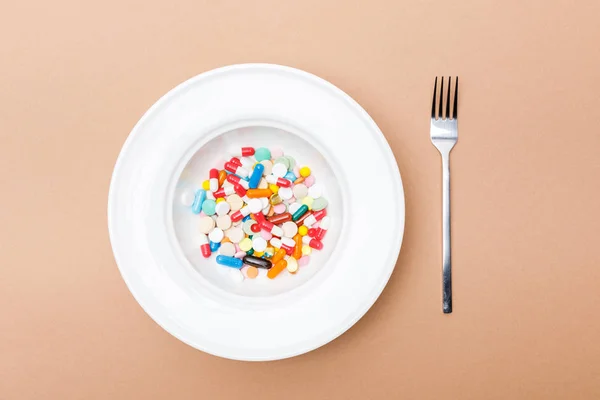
x=236, y=161
x=214, y=179
x=299, y=212
x=313, y=243
x=281, y=218
x=255, y=228
x=292, y=265
x=290, y=229
x=265, y=201
x=279, y=208
x=216, y=235
x=294, y=207
x=255, y=205
x=222, y=208
x=279, y=254
x=247, y=162
x=227, y=249
x=259, y=244
x=315, y=191
x=306, y=250
x=262, y=153
x=187, y=197
x=303, y=218
x=300, y=191
x=247, y=226
x=283, y=160
x=206, y=185
x=304, y=261
x=199, y=200
x=266, y=235
x=290, y=177
x=246, y=244
x=222, y=177
x=298, y=247
x=214, y=246
x=252, y=272
x=274, y=189
x=208, y=207
x=304, y=171
x=240, y=254
x=319, y=204
x=315, y=217
x=224, y=222
x=285, y=193
x=239, y=214
x=238, y=170
x=206, y=224
x=276, y=269
x=268, y=167
x=235, y=202
x=292, y=163
x=256, y=193
x=259, y=254
x=247, y=151
x=275, y=199
x=263, y=184
x=205, y=246
x=303, y=230
x=268, y=226
x=275, y=242
x=309, y=181
x=229, y=190
x=279, y=170
x=296, y=171
x=236, y=180
x=236, y=235
x=308, y=201
x=299, y=180
x=256, y=175
x=210, y=195
x=230, y=261
x=281, y=182
x=257, y=262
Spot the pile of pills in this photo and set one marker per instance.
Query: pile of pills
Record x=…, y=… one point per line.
x=261, y=212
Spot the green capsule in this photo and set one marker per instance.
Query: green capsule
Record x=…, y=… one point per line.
x=300, y=212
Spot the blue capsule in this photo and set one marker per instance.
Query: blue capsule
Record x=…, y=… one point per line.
x=246, y=218
x=290, y=176
x=230, y=262
x=214, y=246
x=257, y=173
x=198, y=201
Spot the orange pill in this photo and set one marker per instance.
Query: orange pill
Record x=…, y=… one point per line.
x=299, y=180
x=276, y=269
x=271, y=212
x=252, y=272
x=257, y=193
x=222, y=177
x=278, y=256
x=297, y=254
x=225, y=240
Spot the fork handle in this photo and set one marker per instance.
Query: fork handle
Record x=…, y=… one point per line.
x=447, y=260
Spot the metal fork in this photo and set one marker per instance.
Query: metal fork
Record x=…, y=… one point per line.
x=444, y=134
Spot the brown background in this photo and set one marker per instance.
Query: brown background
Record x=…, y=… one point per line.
x=75, y=76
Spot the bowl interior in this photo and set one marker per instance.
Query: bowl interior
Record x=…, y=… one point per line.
x=213, y=154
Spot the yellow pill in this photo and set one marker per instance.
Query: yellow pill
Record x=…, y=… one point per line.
x=306, y=250
x=206, y=185
x=274, y=188
x=308, y=201
x=257, y=253
x=220, y=199
x=246, y=244
x=303, y=230
x=304, y=171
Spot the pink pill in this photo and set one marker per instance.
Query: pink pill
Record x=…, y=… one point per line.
x=303, y=261
x=240, y=254
x=276, y=152
x=279, y=208
x=237, y=248
x=296, y=171
x=309, y=181
x=266, y=235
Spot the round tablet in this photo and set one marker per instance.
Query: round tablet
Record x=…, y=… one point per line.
x=266, y=235
x=235, y=234
x=222, y=208
x=315, y=191
x=268, y=167
x=206, y=224
x=216, y=235
x=187, y=197
x=247, y=226
x=262, y=153
x=246, y=244
x=265, y=202
x=227, y=249
x=306, y=250
x=292, y=163
x=259, y=244
x=289, y=229
x=300, y=191
x=208, y=207
x=309, y=181
x=284, y=161
x=279, y=208
x=308, y=201
x=252, y=272
x=263, y=184
x=319, y=204
x=294, y=207
x=292, y=265
x=285, y=193
x=235, y=202
x=224, y=222
x=279, y=170
x=255, y=205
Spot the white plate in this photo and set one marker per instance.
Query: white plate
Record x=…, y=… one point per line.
x=189, y=129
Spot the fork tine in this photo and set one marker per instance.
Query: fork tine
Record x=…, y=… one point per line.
x=448, y=98
x=434, y=93
x=440, y=116
x=455, y=112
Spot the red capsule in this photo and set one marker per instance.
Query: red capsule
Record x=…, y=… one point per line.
x=247, y=151
x=235, y=161
x=322, y=229
x=239, y=214
x=235, y=169
x=288, y=245
x=314, y=243
x=236, y=180
x=281, y=182
x=255, y=228
x=280, y=218
x=214, y=179
x=312, y=232
x=205, y=246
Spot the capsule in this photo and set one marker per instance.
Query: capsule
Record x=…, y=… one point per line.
x=236, y=161
x=300, y=212
x=226, y=191
x=241, y=213
x=303, y=218
x=313, y=243
x=279, y=254
x=247, y=162
x=257, y=262
x=278, y=181
x=297, y=253
x=269, y=226
x=276, y=269
x=214, y=246
x=275, y=199
x=198, y=201
x=288, y=245
x=316, y=216
x=275, y=242
x=230, y=261
x=281, y=218
x=236, y=180
x=255, y=228
x=205, y=246
x=214, y=179
x=222, y=177
x=257, y=173
x=258, y=193
x=235, y=169
x=247, y=151
x=322, y=229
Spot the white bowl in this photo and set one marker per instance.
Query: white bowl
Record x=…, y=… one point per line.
x=155, y=240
